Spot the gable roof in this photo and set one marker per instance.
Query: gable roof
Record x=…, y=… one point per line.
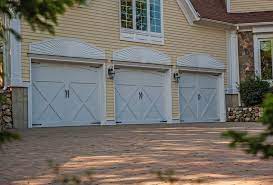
x=217, y=10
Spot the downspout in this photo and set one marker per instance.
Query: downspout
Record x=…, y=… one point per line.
x=6, y=55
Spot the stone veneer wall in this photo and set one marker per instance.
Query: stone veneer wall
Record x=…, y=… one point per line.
x=246, y=55
x=242, y=114
x=6, y=109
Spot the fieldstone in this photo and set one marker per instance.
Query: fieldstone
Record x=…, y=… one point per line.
x=247, y=119
x=7, y=119
x=8, y=101
x=4, y=107
x=244, y=114
x=8, y=112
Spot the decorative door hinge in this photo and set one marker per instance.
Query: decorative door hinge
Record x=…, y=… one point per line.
x=164, y=121
x=37, y=124
x=95, y=123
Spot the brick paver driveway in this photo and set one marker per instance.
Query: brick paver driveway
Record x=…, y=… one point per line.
x=129, y=154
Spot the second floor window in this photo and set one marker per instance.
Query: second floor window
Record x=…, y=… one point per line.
x=142, y=15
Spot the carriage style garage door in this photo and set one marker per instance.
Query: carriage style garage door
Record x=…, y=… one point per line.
x=64, y=95
x=199, y=98
x=140, y=96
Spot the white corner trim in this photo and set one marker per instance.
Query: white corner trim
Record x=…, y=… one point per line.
x=222, y=99
x=256, y=44
x=200, y=61
x=141, y=55
x=233, y=62
x=263, y=29
x=15, y=54
x=190, y=13
x=168, y=93
x=228, y=5
x=67, y=47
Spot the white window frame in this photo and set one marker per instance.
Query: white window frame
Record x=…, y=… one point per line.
x=135, y=35
x=257, y=54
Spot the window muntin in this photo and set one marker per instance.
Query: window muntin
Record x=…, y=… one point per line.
x=141, y=15
x=127, y=14
x=146, y=15
x=266, y=59
x=155, y=16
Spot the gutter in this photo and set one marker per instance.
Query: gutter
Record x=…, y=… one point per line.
x=195, y=17
x=218, y=22
x=254, y=24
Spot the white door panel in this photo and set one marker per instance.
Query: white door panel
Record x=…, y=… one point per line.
x=83, y=104
x=64, y=95
x=208, y=98
x=48, y=94
x=128, y=106
x=188, y=98
x=139, y=96
x=153, y=102
x=199, y=98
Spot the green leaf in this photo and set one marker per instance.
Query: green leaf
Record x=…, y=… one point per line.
x=6, y=136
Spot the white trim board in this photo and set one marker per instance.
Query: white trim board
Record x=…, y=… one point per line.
x=256, y=45
x=147, y=66
x=141, y=55
x=190, y=13
x=15, y=57
x=233, y=62
x=67, y=59
x=200, y=61
x=67, y=47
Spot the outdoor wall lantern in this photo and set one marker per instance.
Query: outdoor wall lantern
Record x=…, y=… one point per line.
x=176, y=76
x=111, y=72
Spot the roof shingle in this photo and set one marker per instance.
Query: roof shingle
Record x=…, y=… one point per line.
x=216, y=10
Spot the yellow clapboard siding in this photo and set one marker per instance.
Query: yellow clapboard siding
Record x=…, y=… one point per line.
x=239, y=6
x=98, y=24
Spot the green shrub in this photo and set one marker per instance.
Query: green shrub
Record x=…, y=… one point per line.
x=253, y=91
x=259, y=144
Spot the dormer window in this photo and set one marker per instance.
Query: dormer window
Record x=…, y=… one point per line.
x=141, y=20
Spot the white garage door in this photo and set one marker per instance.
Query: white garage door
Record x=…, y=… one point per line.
x=64, y=95
x=140, y=97
x=199, y=98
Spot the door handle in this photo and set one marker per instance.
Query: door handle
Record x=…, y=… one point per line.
x=199, y=97
x=140, y=95
x=67, y=93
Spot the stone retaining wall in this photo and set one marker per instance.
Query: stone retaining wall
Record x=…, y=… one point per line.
x=244, y=114
x=6, y=109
